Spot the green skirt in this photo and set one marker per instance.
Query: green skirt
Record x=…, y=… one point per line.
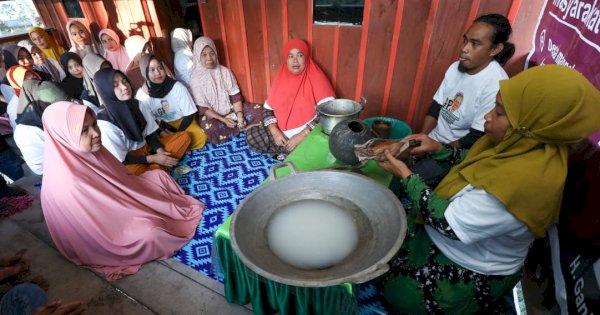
x=422, y=280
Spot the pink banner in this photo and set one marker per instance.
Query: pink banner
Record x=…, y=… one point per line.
x=568, y=33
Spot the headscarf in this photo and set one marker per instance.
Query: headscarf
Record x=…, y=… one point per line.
x=152, y=89
x=211, y=87
x=47, y=67
x=71, y=84
x=142, y=218
x=124, y=114
x=11, y=55
x=134, y=46
x=35, y=97
x=92, y=47
x=181, y=39
x=119, y=59
x=26, y=43
x=293, y=97
x=16, y=75
x=91, y=64
x=548, y=107
x=54, y=50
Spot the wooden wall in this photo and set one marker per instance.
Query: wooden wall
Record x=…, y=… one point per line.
x=396, y=59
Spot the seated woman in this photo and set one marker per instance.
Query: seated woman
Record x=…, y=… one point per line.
x=289, y=112
x=168, y=100
x=137, y=46
x=114, y=52
x=217, y=95
x=181, y=44
x=91, y=64
x=143, y=218
x=35, y=97
x=82, y=42
x=16, y=75
x=129, y=130
x=46, y=65
x=46, y=43
x=481, y=219
x=73, y=82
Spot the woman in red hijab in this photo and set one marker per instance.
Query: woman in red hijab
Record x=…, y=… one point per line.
x=289, y=112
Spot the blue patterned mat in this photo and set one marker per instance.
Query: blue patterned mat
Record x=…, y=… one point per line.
x=221, y=177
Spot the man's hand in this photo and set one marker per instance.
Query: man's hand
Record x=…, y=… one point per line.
x=428, y=145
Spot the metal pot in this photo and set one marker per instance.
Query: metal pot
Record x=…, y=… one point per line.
x=335, y=111
x=377, y=212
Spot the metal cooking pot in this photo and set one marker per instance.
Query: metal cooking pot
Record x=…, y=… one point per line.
x=377, y=212
x=334, y=111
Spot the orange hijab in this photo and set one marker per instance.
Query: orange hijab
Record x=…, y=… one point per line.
x=16, y=75
x=293, y=96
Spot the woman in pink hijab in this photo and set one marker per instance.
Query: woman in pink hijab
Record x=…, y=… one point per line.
x=99, y=215
x=114, y=52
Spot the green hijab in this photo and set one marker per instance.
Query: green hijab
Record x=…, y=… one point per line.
x=548, y=107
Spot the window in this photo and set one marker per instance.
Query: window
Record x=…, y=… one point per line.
x=17, y=16
x=73, y=9
x=338, y=11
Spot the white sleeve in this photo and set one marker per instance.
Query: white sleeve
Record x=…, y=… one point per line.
x=485, y=102
x=30, y=141
x=113, y=140
x=477, y=215
x=151, y=125
x=184, y=100
x=439, y=96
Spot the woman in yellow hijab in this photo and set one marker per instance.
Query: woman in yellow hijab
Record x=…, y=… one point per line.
x=46, y=43
x=481, y=219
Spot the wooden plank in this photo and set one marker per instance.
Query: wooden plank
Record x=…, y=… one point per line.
x=322, y=46
x=347, y=65
x=275, y=30
x=235, y=45
x=265, y=39
x=363, y=50
x=256, y=54
x=211, y=25
x=297, y=21
x=523, y=29
x=382, y=17
x=410, y=48
x=392, y=59
x=496, y=6
x=446, y=42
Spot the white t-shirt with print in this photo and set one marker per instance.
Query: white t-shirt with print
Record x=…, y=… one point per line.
x=492, y=240
x=465, y=99
x=175, y=105
x=115, y=141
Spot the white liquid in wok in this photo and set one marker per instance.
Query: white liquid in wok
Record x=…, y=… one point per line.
x=312, y=234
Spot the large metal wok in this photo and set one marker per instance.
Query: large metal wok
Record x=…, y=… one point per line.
x=378, y=214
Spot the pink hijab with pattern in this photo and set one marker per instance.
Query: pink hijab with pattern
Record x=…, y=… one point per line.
x=100, y=215
x=211, y=88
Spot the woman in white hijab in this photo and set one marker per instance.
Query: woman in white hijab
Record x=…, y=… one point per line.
x=181, y=44
x=82, y=41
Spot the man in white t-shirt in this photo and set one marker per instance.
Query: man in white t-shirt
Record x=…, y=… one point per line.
x=468, y=91
x=470, y=85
